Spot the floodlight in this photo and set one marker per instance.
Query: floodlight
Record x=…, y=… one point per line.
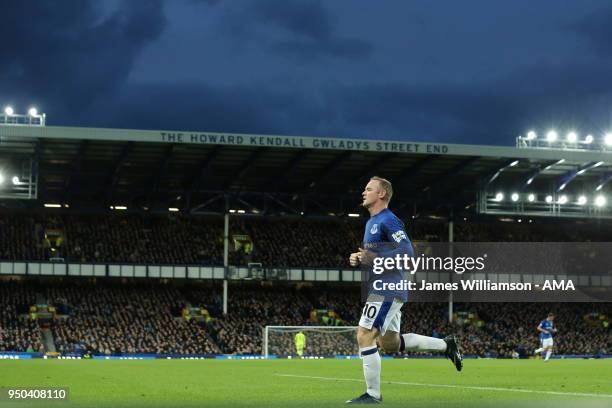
x=9, y=111
x=514, y=197
x=531, y=198
x=600, y=201
x=531, y=135
x=572, y=137
x=608, y=139
x=549, y=199
x=33, y=111
x=15, y=180
x=589, y=139
x=582, y=200
x=562, y=199
x=551, y=136
x=499, y=196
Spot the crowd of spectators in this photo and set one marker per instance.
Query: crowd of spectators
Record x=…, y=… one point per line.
x=17, y=331
x=114, y=318
x=278, y=242
x=113, y=238
x=109, y=320
x=106, y=319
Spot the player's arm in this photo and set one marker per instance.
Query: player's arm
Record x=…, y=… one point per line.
x=395, y=233
x=540, y=329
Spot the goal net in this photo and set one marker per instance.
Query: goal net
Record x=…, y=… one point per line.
x=320, y=341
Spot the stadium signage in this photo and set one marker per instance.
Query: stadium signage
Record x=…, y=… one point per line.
x=303, y=142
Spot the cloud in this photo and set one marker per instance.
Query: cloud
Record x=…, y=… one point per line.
x=300, y=29
x=307, y=19
x=198, y=107
x=596, y=29
x=489, y=112
x=70, y=55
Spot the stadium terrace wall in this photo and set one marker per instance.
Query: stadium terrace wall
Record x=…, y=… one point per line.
x=173, y=271
x=243, y=273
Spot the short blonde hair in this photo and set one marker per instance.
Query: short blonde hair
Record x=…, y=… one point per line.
x=386, y=186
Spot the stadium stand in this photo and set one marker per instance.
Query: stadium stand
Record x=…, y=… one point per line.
x=18, y=332
x=276, y=241
x=115, y=318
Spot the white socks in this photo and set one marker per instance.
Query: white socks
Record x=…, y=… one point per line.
x=416, y=342
x=371, y=369
x=541, y=349
x=548, y=353
x=371, y=358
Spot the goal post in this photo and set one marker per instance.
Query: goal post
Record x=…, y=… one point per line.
x=320, y=340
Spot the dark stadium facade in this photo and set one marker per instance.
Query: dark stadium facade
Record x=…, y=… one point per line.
x=160, y=210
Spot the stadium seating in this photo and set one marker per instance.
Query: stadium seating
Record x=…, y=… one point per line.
x=114, y=318
x=276, y=242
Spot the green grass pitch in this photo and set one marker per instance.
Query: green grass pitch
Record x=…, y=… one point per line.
x=312, y=383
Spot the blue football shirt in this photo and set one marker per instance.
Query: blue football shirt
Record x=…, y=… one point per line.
x=385, y=235
x=546, y=325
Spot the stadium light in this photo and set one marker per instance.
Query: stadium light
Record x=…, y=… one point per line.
x=531, y=198
x=549, y=199
x=173, y=209
x=531, y=135
x=582, y=200
x=9, y=111
x=118, y=207
x=608, y=139
x=50, y=205
x=33, y=112
x=499, y=196
x=551, y=136
x=599, y=187
x=519, y=220
x=232, y=211
x=1, y=178
x=600, y=201
x=514, y=197
x=572, y=137
x=241, y=211
x=15, y=180
x=353, y=215
x=562, y=199
x=589, y=139
x=514, y=163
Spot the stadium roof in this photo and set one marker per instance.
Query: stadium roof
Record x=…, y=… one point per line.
x=293, y=174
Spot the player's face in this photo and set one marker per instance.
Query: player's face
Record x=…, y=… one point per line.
x=370, y=193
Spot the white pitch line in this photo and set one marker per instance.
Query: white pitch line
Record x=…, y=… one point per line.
x=467, y=387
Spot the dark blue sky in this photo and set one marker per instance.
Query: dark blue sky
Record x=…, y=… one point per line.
x=448, y=71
